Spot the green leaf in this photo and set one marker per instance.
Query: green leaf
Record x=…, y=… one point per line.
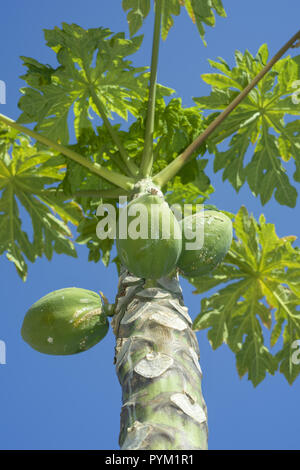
x=289, y=368
x=263, y=54
x=27, y=176
x=139, y=10
x=260, y=127
x=200, y=11
x=175, y=128
x=260, y=277
x=220, y=81
x=255, y=359
x=265, y=173
x=170, y=9
x=89, y=61
x=179, y=193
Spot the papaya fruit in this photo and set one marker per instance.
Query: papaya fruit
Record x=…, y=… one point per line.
x=216, y=242
x=152, y=251
x=66, y=321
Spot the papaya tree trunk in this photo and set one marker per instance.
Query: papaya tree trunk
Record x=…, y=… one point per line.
x=157, y=365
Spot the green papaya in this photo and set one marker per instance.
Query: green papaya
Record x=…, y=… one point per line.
x=215, y=243
x=66, y=321
x=152, y=251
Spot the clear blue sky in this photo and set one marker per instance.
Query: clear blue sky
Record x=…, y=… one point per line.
x=74, y=402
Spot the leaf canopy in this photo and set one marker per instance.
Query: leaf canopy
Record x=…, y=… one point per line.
x=260, y=299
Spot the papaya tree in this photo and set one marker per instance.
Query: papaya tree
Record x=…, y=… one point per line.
x=159, y=159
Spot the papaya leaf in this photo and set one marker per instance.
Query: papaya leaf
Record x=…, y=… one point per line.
x=195, y=192
x=288, y=366
x=139, y=10
x=258, y=302
x=261, y=125
x=89, y=61
x=178, y=193
x=175, y=128
x=200, y=11
x=97, y=146
x=29, y=179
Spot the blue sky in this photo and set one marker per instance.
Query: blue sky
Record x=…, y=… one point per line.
x=74, y=402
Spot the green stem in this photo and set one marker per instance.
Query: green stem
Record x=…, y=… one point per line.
x=111, y=176
x=130, y=165
x=147, y=157
x=172, y=169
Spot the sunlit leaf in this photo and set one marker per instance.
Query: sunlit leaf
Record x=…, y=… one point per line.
x=27, y=177
x=257, y=291
x=259, y=127
x=89, y=61
x=201, y=12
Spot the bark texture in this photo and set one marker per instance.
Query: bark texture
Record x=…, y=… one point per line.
x=157, y=363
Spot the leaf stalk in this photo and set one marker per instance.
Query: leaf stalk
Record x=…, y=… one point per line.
x=147, y=157
x=117, y=179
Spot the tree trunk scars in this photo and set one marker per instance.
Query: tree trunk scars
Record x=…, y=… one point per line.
x=157, y=363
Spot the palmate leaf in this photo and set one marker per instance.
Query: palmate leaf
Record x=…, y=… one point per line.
x=27, y=176
x=261, y=274
x=138, y=11
x=90, y=61
x=262, y=120
x=202, y=12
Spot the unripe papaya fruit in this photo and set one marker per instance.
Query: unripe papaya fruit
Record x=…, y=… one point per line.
x=216, y=242
x=155, y=252
x=66, y=321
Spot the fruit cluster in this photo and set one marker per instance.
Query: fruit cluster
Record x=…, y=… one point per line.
x=156, y=255
x=71, y=320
